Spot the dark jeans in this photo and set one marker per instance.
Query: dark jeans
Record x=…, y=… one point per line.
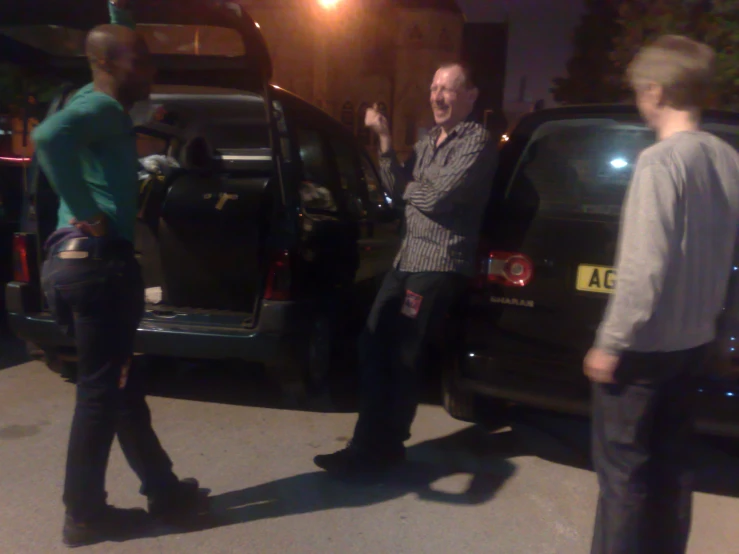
x=391, y=352
x=100, y=300
x=642, y=440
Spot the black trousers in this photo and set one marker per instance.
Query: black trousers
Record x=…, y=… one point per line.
x=101, y=301
x=409, y=310
x=642, y=440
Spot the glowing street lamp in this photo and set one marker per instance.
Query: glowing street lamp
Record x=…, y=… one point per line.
x=329, y=4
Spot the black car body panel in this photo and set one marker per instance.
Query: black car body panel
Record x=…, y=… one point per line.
x=261, y=175
x=557, y=201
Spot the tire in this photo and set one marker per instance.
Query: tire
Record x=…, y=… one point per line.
x=305, y=376
x=321, y=355
x=50, y=358
x=459, y=404
x=467, y=406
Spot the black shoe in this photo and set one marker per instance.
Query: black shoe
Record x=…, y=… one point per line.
x=111, y=524
x=353, y=461
x=182, y=501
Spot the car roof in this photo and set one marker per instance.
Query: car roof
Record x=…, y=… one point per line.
x=614, y=109
x=311, y=111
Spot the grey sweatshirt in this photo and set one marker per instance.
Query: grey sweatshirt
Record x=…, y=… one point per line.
x=676, y=249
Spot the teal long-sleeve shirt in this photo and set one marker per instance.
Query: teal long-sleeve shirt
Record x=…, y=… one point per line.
x=88, y=152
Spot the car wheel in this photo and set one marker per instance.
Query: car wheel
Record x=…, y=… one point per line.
x=458, y=403
x=465, y=405
x=321, y=349
x=49, y=356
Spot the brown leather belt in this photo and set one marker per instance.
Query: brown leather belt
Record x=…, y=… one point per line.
x=98, y=248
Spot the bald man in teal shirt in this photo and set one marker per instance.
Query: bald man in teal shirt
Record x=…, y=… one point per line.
x=95, y=290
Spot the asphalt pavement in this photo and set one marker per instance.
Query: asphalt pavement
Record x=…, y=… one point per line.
x=521, y=489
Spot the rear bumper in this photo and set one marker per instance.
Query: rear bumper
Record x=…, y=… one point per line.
x=280, y=337
x=553, y=385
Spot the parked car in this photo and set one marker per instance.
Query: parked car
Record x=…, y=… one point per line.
x=546, y=265
x=12, y=170
x=254, y=224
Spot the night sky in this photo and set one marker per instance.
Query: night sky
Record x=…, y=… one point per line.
x=540, y=39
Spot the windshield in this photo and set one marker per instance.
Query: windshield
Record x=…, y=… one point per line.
x=161, y=39
x=229, y=120
x=583, y=166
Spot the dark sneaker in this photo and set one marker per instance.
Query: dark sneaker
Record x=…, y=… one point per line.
x=112, y=524
x=184, y=500
x=352, y=461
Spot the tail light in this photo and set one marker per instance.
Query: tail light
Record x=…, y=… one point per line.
x=279, y=277
x=15, y=160
x=508, y=269
x=21, y=258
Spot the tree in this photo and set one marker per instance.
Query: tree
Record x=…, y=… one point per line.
x=590, y=70
x=715, y=22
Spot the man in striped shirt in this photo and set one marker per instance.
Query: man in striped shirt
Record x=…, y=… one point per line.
x=445, y=185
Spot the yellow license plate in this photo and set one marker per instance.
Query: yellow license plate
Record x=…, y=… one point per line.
x=596, y=278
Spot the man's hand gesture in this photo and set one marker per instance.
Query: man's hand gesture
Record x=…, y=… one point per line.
x=96, y=227
x=600, y=366
x=375, y=121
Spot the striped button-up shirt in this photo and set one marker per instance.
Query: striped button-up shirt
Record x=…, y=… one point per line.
x=445, y=189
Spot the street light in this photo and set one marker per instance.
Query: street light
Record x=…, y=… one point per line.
x=328, y=4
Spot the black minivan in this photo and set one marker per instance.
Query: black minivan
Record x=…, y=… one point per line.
x=262, y=232
x=546, y=264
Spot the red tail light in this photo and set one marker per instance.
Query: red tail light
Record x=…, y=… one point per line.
x=21, y=268
x=508, y=269
x=15, y=160
x=279, y=278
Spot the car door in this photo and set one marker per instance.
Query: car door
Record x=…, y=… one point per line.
x=329, y=227
x=194, y=43
x=381, y=232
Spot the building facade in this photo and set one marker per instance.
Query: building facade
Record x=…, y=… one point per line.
x=362, y=52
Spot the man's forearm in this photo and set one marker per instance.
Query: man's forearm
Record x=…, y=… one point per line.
x=59, y=159
x=386, y=144
x=394, y=175
x=470, y=179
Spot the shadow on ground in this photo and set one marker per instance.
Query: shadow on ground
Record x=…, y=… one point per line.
x=566, y=440
x=486, y=456
x=485, y=452
x=557, y=438
x=473, y=452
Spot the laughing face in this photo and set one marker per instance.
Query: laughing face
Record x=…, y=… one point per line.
x=452, y=99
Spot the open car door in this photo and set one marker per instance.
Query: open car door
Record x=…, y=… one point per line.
x=214, y=42
x=198, y=43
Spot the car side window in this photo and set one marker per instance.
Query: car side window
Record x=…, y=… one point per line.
x=350, y=172
x=316, y=187
x=375, y=191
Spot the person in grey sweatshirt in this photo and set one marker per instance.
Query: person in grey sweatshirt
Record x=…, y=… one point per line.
x=674, y=264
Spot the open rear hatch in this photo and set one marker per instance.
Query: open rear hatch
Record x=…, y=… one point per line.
x=202, y=231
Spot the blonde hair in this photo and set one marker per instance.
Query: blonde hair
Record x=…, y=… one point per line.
x=683, y=67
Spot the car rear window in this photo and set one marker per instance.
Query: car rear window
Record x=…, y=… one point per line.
x=583, y=166
x=227, y=120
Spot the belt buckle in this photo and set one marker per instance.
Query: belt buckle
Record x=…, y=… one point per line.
x=68, y=250
x=73, y=255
